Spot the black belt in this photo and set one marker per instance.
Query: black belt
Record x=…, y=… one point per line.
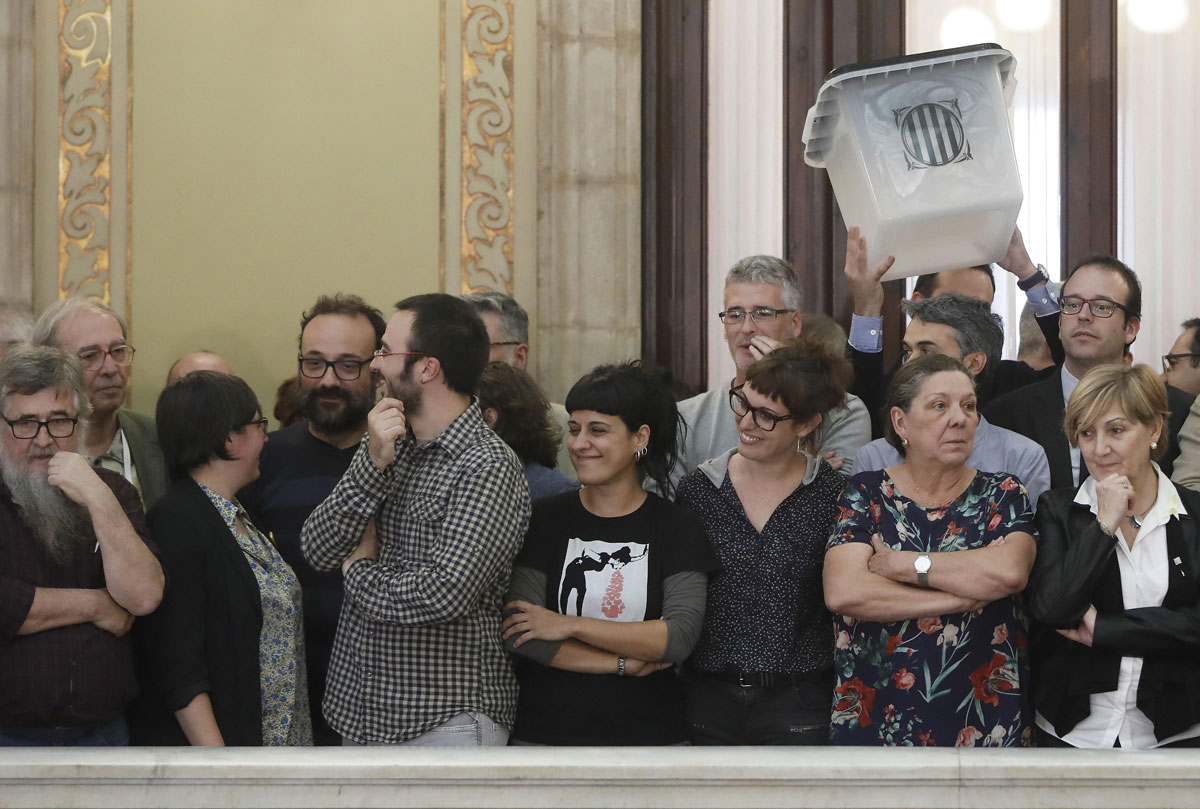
x=769, y=679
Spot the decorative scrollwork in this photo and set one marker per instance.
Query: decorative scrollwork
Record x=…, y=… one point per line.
x=487, y=139
x=85, y=160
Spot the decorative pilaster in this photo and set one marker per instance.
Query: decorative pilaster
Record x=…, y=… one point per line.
x=487, y=145
x=93, y=165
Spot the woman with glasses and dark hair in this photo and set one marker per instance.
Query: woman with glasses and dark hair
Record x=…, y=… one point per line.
x=1115, y=591
x=222, y=659
x=922, y=572
x=608, y=590
x=762, y=670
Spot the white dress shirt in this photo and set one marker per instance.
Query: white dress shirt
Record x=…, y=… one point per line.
x=1114, y=714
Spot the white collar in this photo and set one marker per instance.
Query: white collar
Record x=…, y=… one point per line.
x=1166, y=505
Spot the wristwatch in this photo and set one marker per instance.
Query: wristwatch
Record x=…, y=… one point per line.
x=922, y=564
x=1039, y=277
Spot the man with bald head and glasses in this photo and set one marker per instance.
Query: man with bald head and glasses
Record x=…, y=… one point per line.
x=302, y=463
x=116, y=438
x=75, y=565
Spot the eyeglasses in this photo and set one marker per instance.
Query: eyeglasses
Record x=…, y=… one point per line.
x=345, y=370
x=506, y=343
x=765, y=419
x=380, y=354
x=261, y=423
x=93, y=358
x=27, y=429
x=760, y=314
x=1171, y=360
x=1099, y=307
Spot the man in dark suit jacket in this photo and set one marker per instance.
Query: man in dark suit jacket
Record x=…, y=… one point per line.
x=1100, y=319
x=115, y=439
x=864, y=348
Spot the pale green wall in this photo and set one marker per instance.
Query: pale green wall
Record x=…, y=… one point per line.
x=281, y=150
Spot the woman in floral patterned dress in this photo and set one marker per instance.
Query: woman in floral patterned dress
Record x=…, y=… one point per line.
x=922, y=574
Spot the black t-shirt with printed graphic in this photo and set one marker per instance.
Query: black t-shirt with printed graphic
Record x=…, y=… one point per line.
x=610, y=568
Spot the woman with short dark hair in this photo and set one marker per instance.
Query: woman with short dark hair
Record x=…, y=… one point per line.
x=222, y=659
x=608, y=590
x=762, y=672
x=1115, y=591
x=922, y=572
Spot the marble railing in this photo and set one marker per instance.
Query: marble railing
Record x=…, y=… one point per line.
x=664, y=778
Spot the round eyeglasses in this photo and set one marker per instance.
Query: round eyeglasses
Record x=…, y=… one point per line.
x=765, y=419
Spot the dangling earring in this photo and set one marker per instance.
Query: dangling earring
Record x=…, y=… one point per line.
x=641, y=453
x=799, y=447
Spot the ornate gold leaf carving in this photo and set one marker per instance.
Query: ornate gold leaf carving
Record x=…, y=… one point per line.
x=85, y=161
x=487, y=146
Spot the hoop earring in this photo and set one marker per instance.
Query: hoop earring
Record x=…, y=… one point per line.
x=639, y=454
x=799, y=446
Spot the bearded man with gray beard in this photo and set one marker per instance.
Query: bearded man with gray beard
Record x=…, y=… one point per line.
x=302, y=463
x=75, y=565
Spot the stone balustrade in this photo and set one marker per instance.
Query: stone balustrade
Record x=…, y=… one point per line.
x=663, y=778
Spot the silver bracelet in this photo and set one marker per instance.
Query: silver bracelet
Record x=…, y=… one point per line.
x=620, y=665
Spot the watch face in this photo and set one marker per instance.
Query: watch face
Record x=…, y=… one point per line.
x=922, y=564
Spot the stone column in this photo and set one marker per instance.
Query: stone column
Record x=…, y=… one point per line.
x=589, y=188
x=16, y=151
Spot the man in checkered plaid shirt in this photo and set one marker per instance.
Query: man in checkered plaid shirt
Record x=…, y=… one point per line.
x=425, y=525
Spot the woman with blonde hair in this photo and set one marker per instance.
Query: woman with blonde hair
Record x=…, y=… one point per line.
x=1115, y=591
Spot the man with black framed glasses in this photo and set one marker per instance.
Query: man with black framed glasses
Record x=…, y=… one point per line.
x=302, y=463
x=1181, y=364
x=75, y=565
x=424, y=527
x=116, y=438
x=763, y=302
x=1101, y=314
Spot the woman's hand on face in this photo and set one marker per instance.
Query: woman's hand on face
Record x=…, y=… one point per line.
x=1114, y=499
x=1085, y=631
x=642, y=668
x=531, y=622
x=889, y=563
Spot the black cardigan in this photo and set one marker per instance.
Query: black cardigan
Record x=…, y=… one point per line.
x=1076, y=567
x=204, y=637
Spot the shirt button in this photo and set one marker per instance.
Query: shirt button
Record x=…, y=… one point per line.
x=874, y=332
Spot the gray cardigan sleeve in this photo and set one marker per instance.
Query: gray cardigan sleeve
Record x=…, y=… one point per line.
x=529, y=585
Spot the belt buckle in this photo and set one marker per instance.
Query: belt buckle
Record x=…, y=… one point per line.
x=756, y=679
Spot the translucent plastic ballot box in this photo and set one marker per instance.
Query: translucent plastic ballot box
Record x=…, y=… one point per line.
x=920, y=154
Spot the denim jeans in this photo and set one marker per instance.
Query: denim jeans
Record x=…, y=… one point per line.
x=468, y=729
x=788, y=713
x=114, y=733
